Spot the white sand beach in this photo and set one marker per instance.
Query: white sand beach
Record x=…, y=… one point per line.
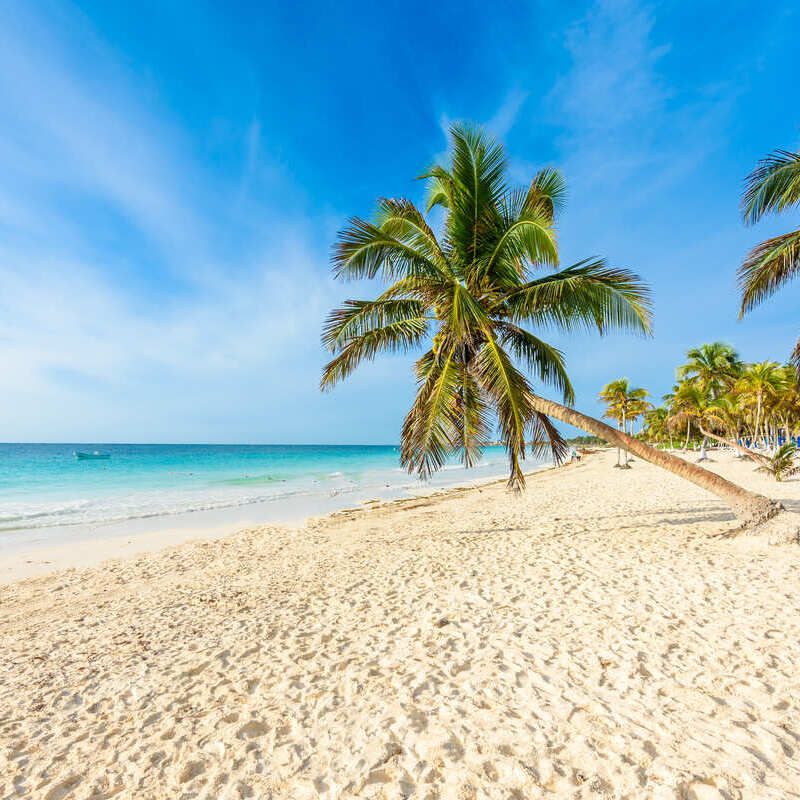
x=600, y=636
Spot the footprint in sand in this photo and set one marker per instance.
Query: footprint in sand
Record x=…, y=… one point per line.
x=252, y=730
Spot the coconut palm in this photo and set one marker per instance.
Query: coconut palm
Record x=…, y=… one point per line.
x=473, y=290
x=713, y=366
x=620, y=399
x=468, y=298
x=786, y=405
x=772, y=187
x=637, y=408
x=759, y=383
x=692, y=404
x=656, y=428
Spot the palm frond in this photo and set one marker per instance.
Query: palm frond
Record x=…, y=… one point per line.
x=362, y=250
x=794, y=360
x=406, y=223
x=528, y=237
x=543, y=360
x=357, y=317
x=398, y=336
x=781, y=462
x=768, y=266
x=544, y=436
x=772, y=186
x=478, y=166
x=589, y=294
x=548, y=191
x=464, y=314
x=501, y=380
x=439, y=188
x=432, y=424
x=472, y=420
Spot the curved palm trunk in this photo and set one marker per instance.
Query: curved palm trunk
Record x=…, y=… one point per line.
x=757, y=457
x=749, y=507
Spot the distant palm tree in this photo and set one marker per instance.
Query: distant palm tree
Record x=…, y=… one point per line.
x=760, y=382
x=621, y=400
x=692, y=403
x=772, y=187
x=466, y=296
x=636, y=410
x=656, y=427
x=714, y=366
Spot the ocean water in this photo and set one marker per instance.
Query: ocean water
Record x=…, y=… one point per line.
x=44, y=486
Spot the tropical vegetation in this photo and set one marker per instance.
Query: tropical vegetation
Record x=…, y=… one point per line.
x=781, y=461
x=752, y=407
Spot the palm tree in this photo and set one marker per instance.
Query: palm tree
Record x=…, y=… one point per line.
x=656, y=426
x=637, y=408
x=786, y=406
x=467, y=297
x=473, y=291
x=620, y=399
x=692, y=403
x=760, y=382
x=772, y=187
x=712, y=368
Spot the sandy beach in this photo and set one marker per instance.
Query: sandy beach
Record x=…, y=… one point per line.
x=600, y=636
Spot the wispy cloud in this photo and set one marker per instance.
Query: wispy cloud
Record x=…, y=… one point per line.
x=506, y=116
x=144, y=294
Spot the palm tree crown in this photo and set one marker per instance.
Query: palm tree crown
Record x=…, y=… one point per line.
x=621, y=398
x=468, y=297
x=713, y=366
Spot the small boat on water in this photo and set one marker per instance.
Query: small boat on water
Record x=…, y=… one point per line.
x=95, y=455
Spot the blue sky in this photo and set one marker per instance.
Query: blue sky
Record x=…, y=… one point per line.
x=172, y=176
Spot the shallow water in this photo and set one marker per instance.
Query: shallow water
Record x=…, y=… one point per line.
x=45, y=486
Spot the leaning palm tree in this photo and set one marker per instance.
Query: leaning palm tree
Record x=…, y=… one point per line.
x=772, y=187
x=472, y=292
x=468, y=299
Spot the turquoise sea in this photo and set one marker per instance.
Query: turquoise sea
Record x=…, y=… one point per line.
x=44, y=486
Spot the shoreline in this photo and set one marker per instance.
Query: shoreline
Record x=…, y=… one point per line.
x=82, y=547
